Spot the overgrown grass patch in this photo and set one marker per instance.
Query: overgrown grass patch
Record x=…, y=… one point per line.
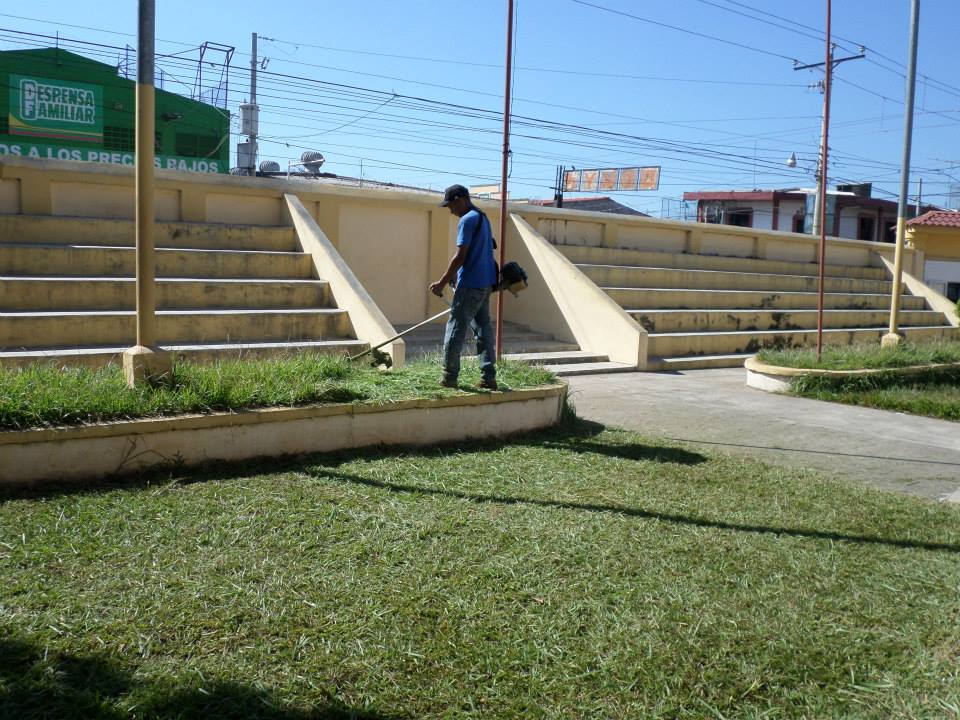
x=865, y=356
x=579, y=572
x=44, y=395
x=935, y=393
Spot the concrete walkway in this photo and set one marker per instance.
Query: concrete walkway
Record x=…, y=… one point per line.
x=714, y=409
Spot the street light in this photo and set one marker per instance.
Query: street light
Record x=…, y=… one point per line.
x=793, y=162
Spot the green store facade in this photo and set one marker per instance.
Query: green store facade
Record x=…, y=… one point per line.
x=55, y=104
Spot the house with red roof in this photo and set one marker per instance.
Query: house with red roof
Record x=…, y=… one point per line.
x=937, y=234
x=852, y=212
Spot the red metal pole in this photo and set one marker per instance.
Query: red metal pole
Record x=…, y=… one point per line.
x=506, y=159
x=823, y=173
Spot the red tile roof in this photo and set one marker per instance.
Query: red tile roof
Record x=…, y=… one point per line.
x=938, y=218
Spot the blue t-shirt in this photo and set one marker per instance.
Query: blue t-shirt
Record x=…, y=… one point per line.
x=479, y=270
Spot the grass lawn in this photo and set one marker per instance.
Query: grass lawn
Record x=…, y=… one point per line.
x=574, y=573
x=43, y=395
x=934, y=394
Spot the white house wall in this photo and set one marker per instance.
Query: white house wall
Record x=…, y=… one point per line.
x=940, y=272
x=848, y=223
x=763, y=216
x=787, y=211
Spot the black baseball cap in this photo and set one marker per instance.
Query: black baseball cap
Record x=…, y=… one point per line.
x=452, y=193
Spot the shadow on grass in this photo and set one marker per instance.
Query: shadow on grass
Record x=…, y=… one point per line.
x=635, y=512
x=572, y=435
x=37, y=682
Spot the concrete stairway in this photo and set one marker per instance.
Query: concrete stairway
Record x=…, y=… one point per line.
x=519, y=343
x=715, y=311
x=67, y=292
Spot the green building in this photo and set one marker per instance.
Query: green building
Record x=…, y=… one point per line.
x=56, y=104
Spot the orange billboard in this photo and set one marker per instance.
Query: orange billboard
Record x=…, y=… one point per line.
x=650, y=178
x=628, y=179
x=612, y=179
x=608, y=180
x=588, y=180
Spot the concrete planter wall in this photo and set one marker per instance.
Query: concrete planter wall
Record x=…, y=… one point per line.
x=774, y=378
x=92, y=451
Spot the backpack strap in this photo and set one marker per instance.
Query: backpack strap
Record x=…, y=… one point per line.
x=483, y=218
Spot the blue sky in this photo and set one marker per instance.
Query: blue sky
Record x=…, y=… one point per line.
x=593, y=86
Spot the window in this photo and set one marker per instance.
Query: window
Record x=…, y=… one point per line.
x=953, y=291
x=865, y=227
x=195, y=145
x=798, y=222
x=119, y=138
x=740, y=218
x=890, y=231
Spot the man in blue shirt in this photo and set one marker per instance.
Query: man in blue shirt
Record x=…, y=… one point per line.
x=476, y=274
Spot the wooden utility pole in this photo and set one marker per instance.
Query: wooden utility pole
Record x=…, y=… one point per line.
x=820, y=208
x=506, y=162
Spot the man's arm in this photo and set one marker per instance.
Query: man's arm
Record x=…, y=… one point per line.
x=456, y=262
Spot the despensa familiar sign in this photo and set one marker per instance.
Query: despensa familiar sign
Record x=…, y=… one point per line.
x=56, y=109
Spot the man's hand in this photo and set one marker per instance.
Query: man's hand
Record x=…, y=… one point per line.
x=456, y=262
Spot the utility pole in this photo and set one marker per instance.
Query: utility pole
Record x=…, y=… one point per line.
x=253, y=101
x=893, y=338
x=506, y=160
x=820, y=209
x=828, y=66
x=144, y=361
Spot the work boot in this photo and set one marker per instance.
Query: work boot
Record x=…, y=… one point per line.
x=448, y=383
x=488, y=384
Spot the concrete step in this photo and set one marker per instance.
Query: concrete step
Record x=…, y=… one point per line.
x=516, y=339
x=58, y=230
x=577, y=362
x=511, y=346
x=670, y=321
x=639, y=299
x=594, y=368
x=48, y=294
x=97, y=356
x=648, y=277
x=569, y=357
x=729, y=343
x=26, y=260
x=580, y=254
x=65, y=329
x=696, y=362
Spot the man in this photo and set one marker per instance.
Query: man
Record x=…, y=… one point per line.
x=476, y=274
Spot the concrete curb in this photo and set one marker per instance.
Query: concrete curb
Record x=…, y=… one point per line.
x=31, y=457
x=775, y=378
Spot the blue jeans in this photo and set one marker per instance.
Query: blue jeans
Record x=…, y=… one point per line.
x=470, y=308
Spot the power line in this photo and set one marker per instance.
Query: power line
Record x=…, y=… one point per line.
x=693, y=154
x=527, y=68
x=820, y=36
x=682, y=30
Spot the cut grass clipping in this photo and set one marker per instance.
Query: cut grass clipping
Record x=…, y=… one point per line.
x=576, y=573
x=44, y=395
